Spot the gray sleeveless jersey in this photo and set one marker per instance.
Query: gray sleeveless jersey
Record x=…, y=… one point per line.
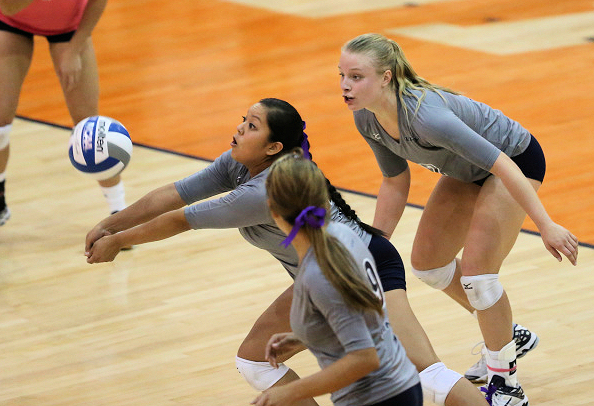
x=321, y=319
x=243, y=207
x=458, y=137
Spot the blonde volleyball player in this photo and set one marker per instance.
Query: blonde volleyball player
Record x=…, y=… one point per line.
x=491, y=169
x=67, y=25
x=270, y=128
x=338, y=308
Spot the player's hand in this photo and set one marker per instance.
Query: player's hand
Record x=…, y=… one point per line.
x=280, y=345
x=275, y=396
x=96, y=233
x=105, y=249
x=559, y=241
x=69, y=66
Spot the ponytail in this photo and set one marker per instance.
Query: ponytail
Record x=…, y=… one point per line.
x=297, y=191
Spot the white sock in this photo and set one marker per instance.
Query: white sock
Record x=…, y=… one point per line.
x=115, y=196
x=503, y=363
x=4, y=138
x=2, y=176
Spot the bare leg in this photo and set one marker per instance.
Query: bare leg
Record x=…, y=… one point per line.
x=419, y=349
x=455, y=291
x=83, y=99
x=409, y=331
x=464, y=393
x=290, y=377
x=275, y=319
x=442, y=231
x=16, y=52
x=495, y=226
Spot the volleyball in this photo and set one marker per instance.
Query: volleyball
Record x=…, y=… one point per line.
x=100, y=147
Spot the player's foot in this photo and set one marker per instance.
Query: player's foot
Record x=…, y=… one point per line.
x=4, y=215
x=497, y=394
x=525, y=340
x=128, y=247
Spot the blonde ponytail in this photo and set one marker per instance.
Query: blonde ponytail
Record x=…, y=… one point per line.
x=297, y=191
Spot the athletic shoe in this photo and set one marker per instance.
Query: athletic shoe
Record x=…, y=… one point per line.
x=497, y=394
x=525, y=342
x=4, y=215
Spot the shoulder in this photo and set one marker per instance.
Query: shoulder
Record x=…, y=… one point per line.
x=429, y=98
x=226, y=163
x=365, y=121
x=436, y=110
x=363, y=116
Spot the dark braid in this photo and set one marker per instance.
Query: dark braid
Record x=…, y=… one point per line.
x=345, y=209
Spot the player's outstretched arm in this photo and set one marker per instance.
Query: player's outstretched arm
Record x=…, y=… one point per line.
x=148, y=207
x=556, y=238
x=106, y=248
x=391, y=201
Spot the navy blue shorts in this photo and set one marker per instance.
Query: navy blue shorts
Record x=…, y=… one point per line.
x=531, y=162
x=67, y=36
x=390, y=267
x=411, y=397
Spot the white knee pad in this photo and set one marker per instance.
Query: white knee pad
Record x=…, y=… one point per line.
x=4, y=131
x=437, y=381
x=483, y=291
x=260, y=375
x=438, y=278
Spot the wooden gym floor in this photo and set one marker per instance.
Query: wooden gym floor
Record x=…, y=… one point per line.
x=161, y=324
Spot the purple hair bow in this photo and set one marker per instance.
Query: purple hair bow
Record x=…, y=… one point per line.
x=312, y=215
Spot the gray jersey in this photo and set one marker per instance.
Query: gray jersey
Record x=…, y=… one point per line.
x=321, y=319
x=244, y=207
x=458, y=137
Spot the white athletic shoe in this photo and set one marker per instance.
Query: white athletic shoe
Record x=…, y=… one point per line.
x=497, y=394
x=4, y=215
x=525, y=342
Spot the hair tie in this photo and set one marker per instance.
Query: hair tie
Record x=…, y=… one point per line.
x=312, y=215
x=305, y=144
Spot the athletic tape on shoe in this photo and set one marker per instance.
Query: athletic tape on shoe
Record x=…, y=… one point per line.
x=503, y=363
x=437, y=381
x=260, y=375
x=483, y=291
x=438, y=278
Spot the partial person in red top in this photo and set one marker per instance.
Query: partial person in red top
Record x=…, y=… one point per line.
x=67, y=25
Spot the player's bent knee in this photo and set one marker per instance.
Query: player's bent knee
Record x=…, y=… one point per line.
x=260, y=375
x=4, y=138
x=483, y=291
x=438, y=278
x=437, y=381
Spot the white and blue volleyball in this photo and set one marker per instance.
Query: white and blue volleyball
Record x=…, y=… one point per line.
x=100, y=147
